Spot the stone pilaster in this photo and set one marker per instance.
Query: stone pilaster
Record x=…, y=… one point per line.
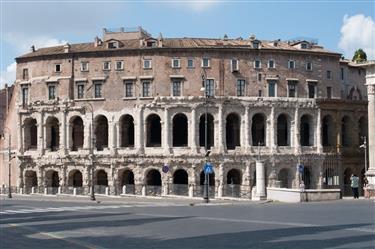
x=193, y=129
x=63, y=134
x=139, y=132
x=319, y=145
x=20, y=134
x=166, y=132
x=221, y=140
x=272, y=131
x=297, y=143
x=246, y=130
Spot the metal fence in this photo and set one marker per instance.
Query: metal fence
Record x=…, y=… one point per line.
x=100, y=189
x=198, y=191
x=153, y=190
x=232, y=190
x=179, y=189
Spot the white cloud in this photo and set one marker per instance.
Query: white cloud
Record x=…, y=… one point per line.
x=199, y=5
x=358, y=31
x=22, y=44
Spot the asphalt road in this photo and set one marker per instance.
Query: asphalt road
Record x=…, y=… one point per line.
x=48, y=222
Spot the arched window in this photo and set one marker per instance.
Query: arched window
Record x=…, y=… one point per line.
x=328, y=131
x=75, y=178
x=153, y=131
x=306, y=131
x=127, y=131
x=127, y=177
x=101, y=178
x=77, y=133
x=180, y=130
x=153, y=178
x=258, y=130
x=283, y=133
x=234, y=177
x=52, y=179
x=53, y=133
x=31, y=134
x=101, y=132
x=210, y=130
x=233, y=131
x=180, y=176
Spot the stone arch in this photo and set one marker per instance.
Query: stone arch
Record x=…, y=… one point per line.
x=284, y=177
x=307, y=130
x=355, y=94
x=126, y=177
x=210, y=130
x=180, y=130
x=52, y=133
x=233, y=131
x=346, y=126
x=328, y=131
x=180, y=176
x=211, y=178
x=258, y=130
x=31, y=179
x=75, y=178
x=153, y=178
x=52, y=179
x=77, y=133
x=31, y=134
x=101, y=132
x=283, y=130
x=234, y=176
x=153, y=131
x=101, y=178
x=126, y=129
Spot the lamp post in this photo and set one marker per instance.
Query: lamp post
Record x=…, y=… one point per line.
x=9, y=159
x=206, y=197
x=364, y=146
x=92, y=194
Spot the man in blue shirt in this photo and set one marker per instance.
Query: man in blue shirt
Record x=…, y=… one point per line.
x=354, y=184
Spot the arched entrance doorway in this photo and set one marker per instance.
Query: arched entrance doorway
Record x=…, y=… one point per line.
x=180, y=182
x=233, y=183
x=126, y=185
x=153, y=182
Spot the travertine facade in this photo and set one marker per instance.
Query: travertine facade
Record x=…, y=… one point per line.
x=139, y=101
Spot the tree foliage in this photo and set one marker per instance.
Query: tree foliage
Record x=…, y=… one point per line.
x=359, y=56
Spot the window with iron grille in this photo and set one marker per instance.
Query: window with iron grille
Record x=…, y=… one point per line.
x=175, y=63
x=128, y=89
x=51, y=92
x=176, y=88
x=272, y=88
x=25, y=95
x=119, y=65
x=98, y=89
x=210, y=87
x=292, y=89
x=240, y=88
x=146, y=88
x=80, y=91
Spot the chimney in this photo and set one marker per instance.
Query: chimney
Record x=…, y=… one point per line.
x=32, y=48
x=67, y=48
x=97, y=42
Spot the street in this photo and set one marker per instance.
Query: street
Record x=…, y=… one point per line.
x=54, y=222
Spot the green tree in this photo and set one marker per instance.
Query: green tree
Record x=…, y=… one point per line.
x=359, y=56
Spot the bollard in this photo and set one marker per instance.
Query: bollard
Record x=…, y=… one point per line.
x=191, y=191
x=124, y=189
x=143, y=190
x=106, y=191
x=59, y=190
x=74, y=191
x=32, y=190
x=21, y=191
x=45, y=191
x=220, y=191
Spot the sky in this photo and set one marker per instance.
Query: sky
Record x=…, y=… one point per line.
x=339, y=25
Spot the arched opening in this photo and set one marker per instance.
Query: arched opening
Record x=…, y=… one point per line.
x=328, y=131
x=126, y=183
x=306, y=131
x=31, y=134
x=153, y=131
x=180, y=130
x=330, y=178
x=284, y=178
x=306, y=177
x=233, y=131
x=77, y=133
x=127, y=131
x=211, y=179
x=101, y=132
x=52, y=181
x=53, y=133
x=75, y=179
x=101, y=178
x=347, y=186
x=283, y=137
x=180, y=182
x=153, y=182
x=346, y=126
x=210, y=130
x=258, y=130
x=363, y=129
x=31, y=180
x=233, y=183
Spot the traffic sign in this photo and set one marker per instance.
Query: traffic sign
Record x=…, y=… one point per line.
x=300, y=168
x=165, y=168
x=208, y=168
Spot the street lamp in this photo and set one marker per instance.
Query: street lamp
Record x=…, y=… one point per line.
x=89, y=106
x=9, y=158
x=206, y=151
x=364, y=146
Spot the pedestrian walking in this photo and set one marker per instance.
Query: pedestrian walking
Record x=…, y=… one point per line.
x=354, y=184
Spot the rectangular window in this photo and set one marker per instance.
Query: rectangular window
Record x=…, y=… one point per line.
x=146, y=88
x=240, y=88
x=25, y=74
x=303, y=45
x=58, y=68
x=176, y=88
x=308, y=66
x=312, y=90
x=128, y=89
x=25, y=95
x=271, y=64
x=98, y=89
x=234, y=65
x=259, y=77
x=175, y=63
x=342, y=73
x=260, y=93
x=190, y=63
x=329, y=74
x=147, y=63
x=272, y=88
x=84, y=66
x=205, y=62
x=107, y=65
x=119, y=65
x=80, y=91
x=257, y=64
x=51, y=92
x=291, y=64
x=292, y=89
x=210, y=87
x=329, y=92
